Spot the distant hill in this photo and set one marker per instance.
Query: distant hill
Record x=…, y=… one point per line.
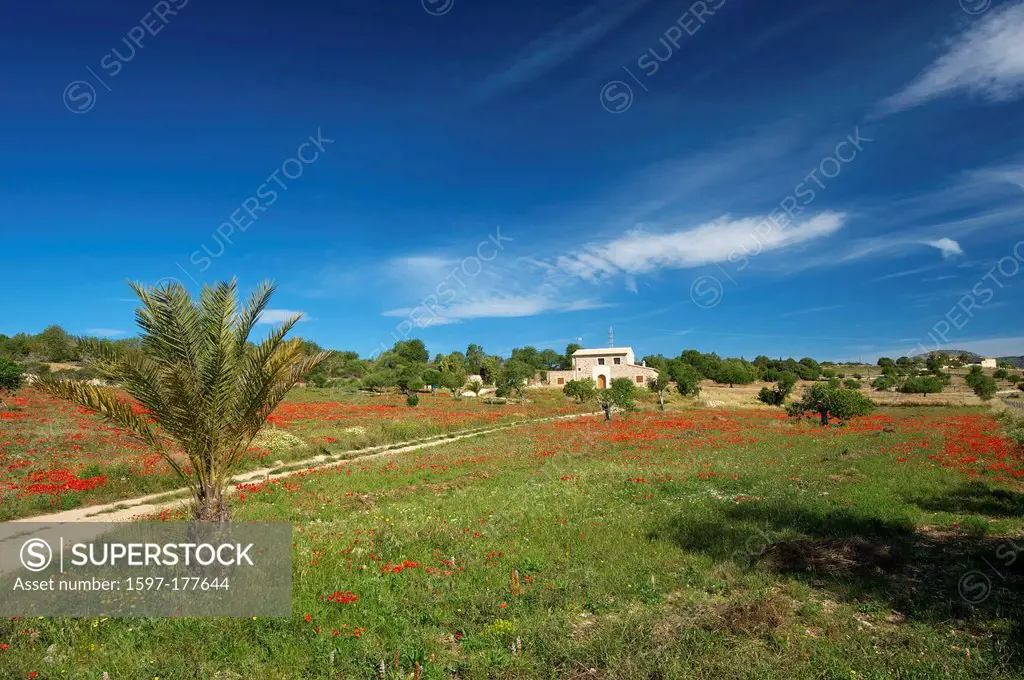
x=1017, y=362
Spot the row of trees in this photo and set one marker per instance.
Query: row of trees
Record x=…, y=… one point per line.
x=739, y=371
x=407, y=367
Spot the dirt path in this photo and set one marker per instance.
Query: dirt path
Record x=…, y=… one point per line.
x=125, y=510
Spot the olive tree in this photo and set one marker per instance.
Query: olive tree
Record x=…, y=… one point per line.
x=659, y=386
x=512, y=378
x=453, y=374
x=923, y=385
x=828, y=401
x=685, y=376
x=620, y=394
x=735, y=372
x=582, y=390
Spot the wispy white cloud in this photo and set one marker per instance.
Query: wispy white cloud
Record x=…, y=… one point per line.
x=906, y=272
x=526, y=286
x=641, y=252
x=104, y=332
x=490, y=307
x=982, y=205
x=986, y=61
x=272, y=316
x=558, y=46
x=811, y=310
x=1005, y=174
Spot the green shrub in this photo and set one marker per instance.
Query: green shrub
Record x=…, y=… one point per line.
x=11, y=378
x=1014, y=425
x=777, y=395
x=412, y=400
x=884, y=383
x=39, y=368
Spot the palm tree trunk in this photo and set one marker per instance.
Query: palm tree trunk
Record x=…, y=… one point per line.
x=210, y=506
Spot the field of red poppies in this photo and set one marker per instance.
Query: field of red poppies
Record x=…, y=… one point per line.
x=694, y=543
x=56, y=456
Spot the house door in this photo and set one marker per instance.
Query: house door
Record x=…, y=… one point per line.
x=602, y=382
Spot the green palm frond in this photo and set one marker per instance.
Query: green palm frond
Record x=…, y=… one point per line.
x=205, y=386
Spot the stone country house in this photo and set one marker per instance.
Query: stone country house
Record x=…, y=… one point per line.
x=602, y=366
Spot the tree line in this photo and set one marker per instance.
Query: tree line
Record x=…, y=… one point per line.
x=408, y=368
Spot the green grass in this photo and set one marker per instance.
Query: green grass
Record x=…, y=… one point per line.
x=696, y=544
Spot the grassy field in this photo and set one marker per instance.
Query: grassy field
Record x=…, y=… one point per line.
x=703, y=543
x=56, y=456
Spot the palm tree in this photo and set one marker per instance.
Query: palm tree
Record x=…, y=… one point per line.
x=204, y=387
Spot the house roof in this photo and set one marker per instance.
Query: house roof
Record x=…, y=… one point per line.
x=604, y=351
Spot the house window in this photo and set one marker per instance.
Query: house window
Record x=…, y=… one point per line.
x=617, y=361
x=639, y=378
x=600, y=362
x=561, y=381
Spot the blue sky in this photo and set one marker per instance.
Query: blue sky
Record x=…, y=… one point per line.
x=840, y=179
